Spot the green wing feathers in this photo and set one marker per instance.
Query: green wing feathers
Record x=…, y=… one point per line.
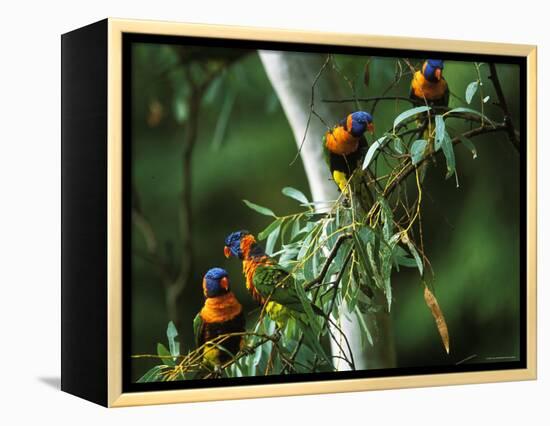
x=277, y=285
x=198, y=330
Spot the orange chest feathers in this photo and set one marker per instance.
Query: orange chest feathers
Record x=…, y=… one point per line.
x=249, y=269
x=220, y=309
x=341, y=142
x=423, y=88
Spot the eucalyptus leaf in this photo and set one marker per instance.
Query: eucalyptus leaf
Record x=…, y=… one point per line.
x=469, y=111
x=304, y=248
x=262, y=210
x=417, y=151
x=406, y=261
x=363, y=326
x=409, y=113
x=471, y=90
x=269, y=229
x=153, y=375
x=448, y=151
x=173, y=344
x=372, y=150
x=164, y=353
x=295, y=194
x=312, y=324
x=416, y=256
x=272, y=240
x=399, y=146
x=439, y=131
x=469, y=144
x=295, y=228
x=387, y=216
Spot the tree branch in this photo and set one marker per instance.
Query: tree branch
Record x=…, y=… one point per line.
x=328, y=262
x=410, y=168
x=502, y=104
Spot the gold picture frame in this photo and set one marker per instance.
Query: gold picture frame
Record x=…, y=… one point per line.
x=115, y=397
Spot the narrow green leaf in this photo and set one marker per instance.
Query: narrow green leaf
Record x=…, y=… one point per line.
x=387, y=216
x=399, y=146
x=312, y=341
x=152, y=375
x=471, y=90
x=295, y=194
x=256, y=360
x=416, y=256
x=262, y=210
x=295, y=228
x=417, y=151
x=305, y=247
x=469, y=144
x=372, y=150
x=360, y=249
x=272, y=239
x=269, y=229
x=312, y=324
x=406, y=261
x=173, y=344
x=459, y=110
x=315, y=217
x=448, y=151
x=409, y=113
x=439, y=131
x=363, y=325
x=163, y=352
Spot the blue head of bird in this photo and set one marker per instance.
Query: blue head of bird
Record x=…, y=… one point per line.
x=233, y=244
x=359, y=122
x=433, y=69
x=215, y=282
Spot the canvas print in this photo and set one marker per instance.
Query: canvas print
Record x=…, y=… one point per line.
x=308, y=213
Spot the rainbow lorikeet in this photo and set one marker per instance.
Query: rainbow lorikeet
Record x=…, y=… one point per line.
x=221, y=314
x=267, y=281
x=429, y=84
x=345, y=146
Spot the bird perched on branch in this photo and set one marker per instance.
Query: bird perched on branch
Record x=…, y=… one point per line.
x=345, y=146
x=221, y=314
x=429, y=85
x=267, y=282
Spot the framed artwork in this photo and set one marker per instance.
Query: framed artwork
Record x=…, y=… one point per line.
x=250, y=212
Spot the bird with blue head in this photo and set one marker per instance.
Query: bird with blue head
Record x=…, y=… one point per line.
x=345, y=146
x=429, y=85
x=221, y=314
x=268, y=283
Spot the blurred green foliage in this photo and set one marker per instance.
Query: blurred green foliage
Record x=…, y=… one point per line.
x=244, y=148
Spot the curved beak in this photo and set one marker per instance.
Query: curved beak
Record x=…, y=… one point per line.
x=227, y=252
x=370, y=128
x=224, y=282
x=438, y=73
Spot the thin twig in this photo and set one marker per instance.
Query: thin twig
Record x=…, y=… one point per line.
x=341, y=239
x=311, y=105
x=502, y=104
x=410, y=168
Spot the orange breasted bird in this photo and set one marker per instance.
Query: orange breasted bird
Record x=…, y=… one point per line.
x=429, y=84
x=221, y=314
x=267, y=281
x=345, y=146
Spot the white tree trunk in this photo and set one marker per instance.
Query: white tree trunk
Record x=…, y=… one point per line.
x=292, y=76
